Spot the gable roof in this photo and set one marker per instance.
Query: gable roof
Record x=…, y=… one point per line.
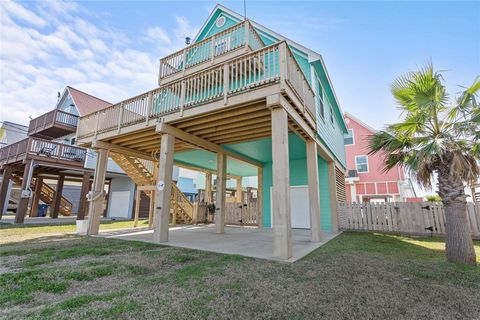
x=360, y=122
x=86, y=103
x=313, y=57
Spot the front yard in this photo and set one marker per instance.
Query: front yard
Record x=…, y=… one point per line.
x=354, y=276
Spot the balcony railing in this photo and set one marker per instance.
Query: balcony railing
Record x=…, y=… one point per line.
x=266, y=66
x=241, y=35
x=63, y=121
x=41, y=149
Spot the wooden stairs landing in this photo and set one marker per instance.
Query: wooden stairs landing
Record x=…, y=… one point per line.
x=47, y=194
x=143, y=173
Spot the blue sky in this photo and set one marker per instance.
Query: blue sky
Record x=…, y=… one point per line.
x=111, y=49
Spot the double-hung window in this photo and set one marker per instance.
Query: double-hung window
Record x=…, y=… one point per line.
x=349, y=139
x=361, y=163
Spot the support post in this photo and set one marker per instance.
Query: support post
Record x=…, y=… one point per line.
x=138, y=196
x=151, y=209
x=57, y=197
x=164, y=188
x=282, y=233
x=7, y=175
x=260, y=198
x=97, y=195
x=208, y=187
x=332, y=188
x=220, y=193
x=36, y=197
x=24, y=199
x=239, y=192
x=313, y=191
x=83, y=203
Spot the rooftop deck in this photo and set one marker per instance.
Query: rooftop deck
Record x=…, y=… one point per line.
x=44, y=151
x=223, y=103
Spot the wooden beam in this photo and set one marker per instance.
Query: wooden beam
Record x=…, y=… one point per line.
x=138, y=196
x=228, y=120
x=36, y=197
x=205, y=144
x=164, y=188
x=122, y=150
x=98, y=193
x=151, y=209
x=220, y=193
x=57, y=197
x=7, y=174
x=260, y=198
x=23, y=203
x=83, y=203
x=313, y=191
x=282, y=233
x=230, y=126
x=133, y=136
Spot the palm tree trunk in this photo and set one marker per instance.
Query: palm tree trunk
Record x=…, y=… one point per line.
x=459, y=243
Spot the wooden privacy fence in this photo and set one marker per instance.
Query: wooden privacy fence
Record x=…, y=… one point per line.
x=425, y=218
x=235, y=213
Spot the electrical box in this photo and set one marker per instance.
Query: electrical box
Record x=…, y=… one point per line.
x=26, y=194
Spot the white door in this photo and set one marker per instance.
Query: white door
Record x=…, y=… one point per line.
x=119, y=204
x=300, y=210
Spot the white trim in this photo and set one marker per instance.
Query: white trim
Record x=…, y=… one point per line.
x=356, y=163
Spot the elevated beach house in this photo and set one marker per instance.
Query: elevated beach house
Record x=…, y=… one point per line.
x=240, y=100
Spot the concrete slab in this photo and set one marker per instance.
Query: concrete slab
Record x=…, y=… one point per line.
x=245, y=241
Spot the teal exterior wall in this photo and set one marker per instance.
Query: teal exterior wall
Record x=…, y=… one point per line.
x=299, y=177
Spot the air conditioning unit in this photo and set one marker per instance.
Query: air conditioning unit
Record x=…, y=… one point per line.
x=352, y=174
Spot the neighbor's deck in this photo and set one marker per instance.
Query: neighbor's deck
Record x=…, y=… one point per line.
x=221, y=98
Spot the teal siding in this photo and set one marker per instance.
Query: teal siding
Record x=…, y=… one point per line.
x=298, y=177
x=211, y=28
x=302, y=61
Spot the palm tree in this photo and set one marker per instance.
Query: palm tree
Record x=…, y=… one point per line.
x=436, y=136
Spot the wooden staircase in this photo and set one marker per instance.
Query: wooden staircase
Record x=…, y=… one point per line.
x=142, y=172
x=46, y=195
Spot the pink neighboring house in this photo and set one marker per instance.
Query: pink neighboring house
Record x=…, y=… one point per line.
x=366, y=181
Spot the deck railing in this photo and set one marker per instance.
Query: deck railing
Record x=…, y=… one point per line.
x=251, y=70
x=51, y=118
x=240, y=35
x=41, y=148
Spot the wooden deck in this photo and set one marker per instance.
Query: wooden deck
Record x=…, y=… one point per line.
x=223, y=104
x=43, y=151
x=53, y=124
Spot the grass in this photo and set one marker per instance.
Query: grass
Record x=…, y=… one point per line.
x=19, y=232
x=354, y=276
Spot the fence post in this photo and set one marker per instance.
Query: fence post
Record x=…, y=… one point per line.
x=247, y=35
x=182, y=97
x=120, y=118
x=226, y=76
x=149, y=107
x=212, y=48
x=282, y=60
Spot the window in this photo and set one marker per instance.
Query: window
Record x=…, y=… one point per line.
x=331, y=115
x=321, y=106
x=348, y=139
x=222, y=46
x=361, y=163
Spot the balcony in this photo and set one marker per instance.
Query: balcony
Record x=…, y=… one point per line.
x=239, y=79
x=44, y=151
x=53, y=124
x=228, y=44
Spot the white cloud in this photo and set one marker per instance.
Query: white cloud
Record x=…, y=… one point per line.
x=18, y=11
x=53, y=44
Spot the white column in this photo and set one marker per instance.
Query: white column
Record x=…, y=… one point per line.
x=164, y=188
x=282, y=233
x=313, y=191
x=220, y=193
x=97, y=195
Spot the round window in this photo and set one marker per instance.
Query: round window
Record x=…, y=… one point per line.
x=220, y=22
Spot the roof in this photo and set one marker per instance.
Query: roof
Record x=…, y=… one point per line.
x=360, y=122
x=86, y=103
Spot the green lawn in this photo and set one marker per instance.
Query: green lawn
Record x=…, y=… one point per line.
x=21, y=232
x=354, y=276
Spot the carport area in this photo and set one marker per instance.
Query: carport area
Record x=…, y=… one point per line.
x=246, y=241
